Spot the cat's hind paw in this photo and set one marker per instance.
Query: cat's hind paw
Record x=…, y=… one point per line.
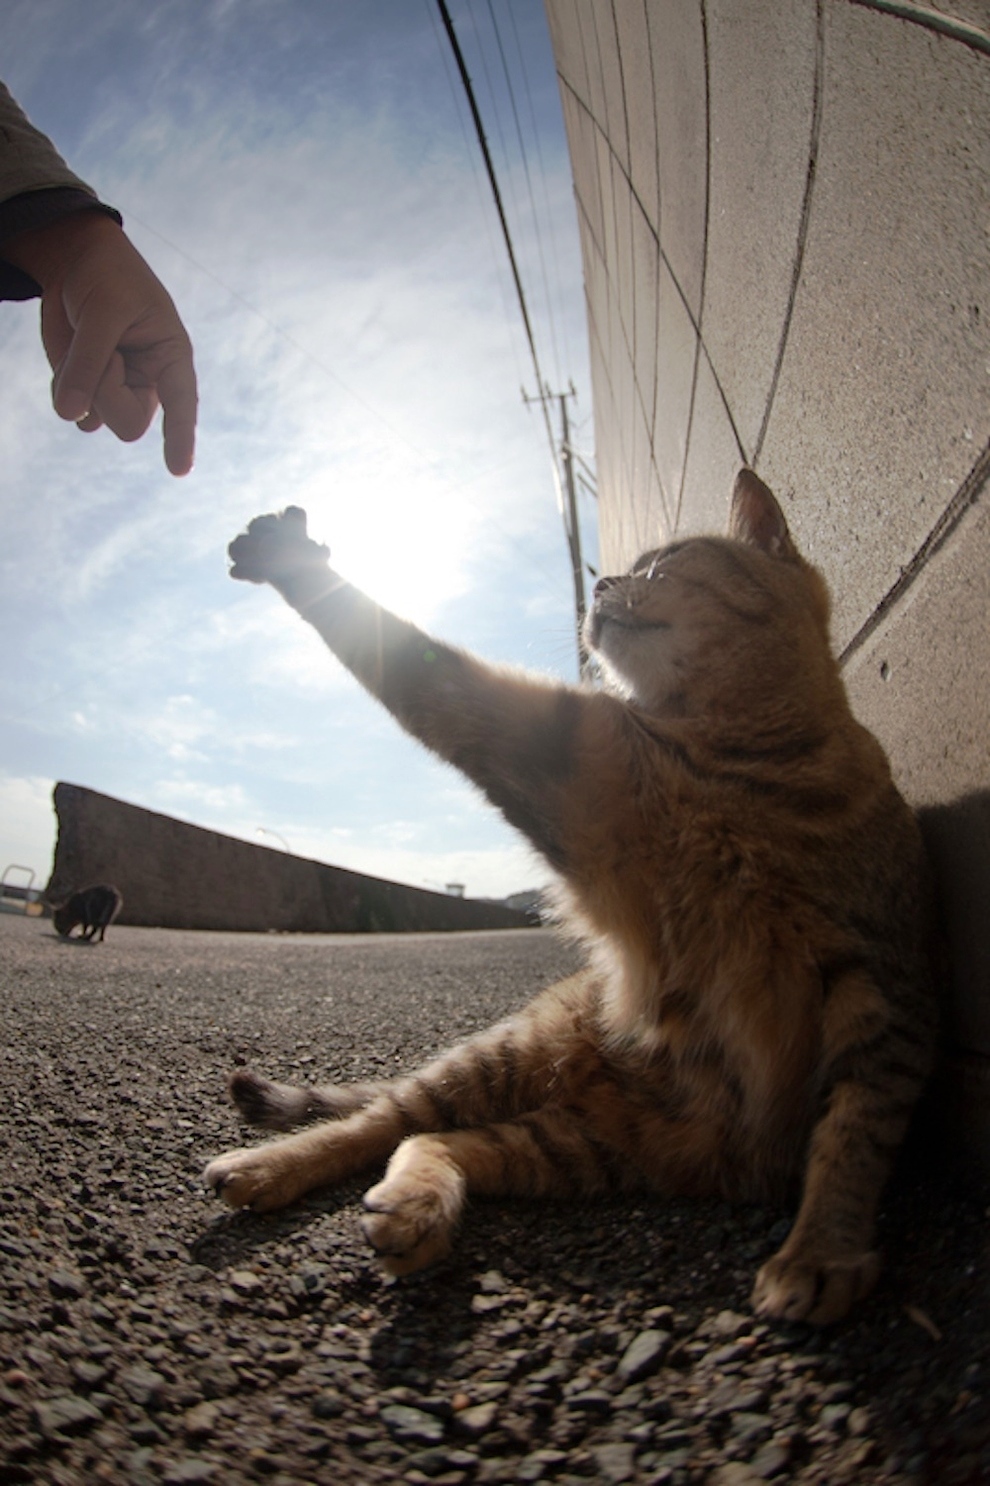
x=258, y=1177
x=410, y=1217
x=262, y=1102
x=275, y=547
x=790, y=1288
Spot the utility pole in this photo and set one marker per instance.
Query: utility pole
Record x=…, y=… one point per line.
x=567, y=501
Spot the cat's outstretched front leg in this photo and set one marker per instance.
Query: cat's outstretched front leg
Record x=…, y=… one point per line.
x=522, y=740
x=412, y=1215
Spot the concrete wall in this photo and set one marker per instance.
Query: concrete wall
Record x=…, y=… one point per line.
x=178, y=876
x=783, y=211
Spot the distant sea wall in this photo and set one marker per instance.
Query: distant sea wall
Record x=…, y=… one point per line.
x=178, y=876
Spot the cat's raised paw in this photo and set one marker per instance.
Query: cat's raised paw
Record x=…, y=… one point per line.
x=275, y=547
x=817, y=1290
x=255, y=1177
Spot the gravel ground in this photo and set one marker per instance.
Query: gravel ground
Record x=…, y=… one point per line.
x=149, y=1336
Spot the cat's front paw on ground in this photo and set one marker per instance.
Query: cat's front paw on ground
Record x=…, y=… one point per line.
x=796, y=1288
x=275, y=547
x=256, y=1177
x=411, y=1216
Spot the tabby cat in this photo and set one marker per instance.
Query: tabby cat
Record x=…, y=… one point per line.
x=756, y=1014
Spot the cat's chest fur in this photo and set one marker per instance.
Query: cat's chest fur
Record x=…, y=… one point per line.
x=701, y=928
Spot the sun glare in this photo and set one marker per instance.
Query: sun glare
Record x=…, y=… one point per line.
x=402, y=537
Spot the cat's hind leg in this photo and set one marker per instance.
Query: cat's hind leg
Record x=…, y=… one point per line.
x=492, y=1076
x=412, y=1215
x=274, y=1106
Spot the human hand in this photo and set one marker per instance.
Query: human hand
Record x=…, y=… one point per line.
x=113, y=337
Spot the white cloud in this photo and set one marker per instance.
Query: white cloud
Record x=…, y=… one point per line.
x=331, y=253
x=27, y=825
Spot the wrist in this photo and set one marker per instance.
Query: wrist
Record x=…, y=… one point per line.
x=309, y=586
x=45, y=252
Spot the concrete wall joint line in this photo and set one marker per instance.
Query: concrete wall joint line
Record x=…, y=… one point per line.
x=706, y=52
x=622, y=78
x=965, y=497
x=666, y=496
x=817, y=108
x=932, y=20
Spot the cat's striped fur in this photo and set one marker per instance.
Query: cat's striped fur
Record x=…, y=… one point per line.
x=756, y=1015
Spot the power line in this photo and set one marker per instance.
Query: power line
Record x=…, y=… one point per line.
x=469, y=152
x=550, y=218
x=479, y=130
x=529, y=187
x=568, y=511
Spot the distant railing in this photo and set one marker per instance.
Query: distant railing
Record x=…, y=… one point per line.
x=20, y=897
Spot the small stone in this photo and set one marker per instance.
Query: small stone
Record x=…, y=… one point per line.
x=428, y=1463
x=750, y=1428
x=217, y=1378
x=199, y=1422
x=836, y=1393
x=412, y=1426
x=615, y=1461
x=540, y=1464
x=644, y=1355
x=834, y=1417
x=142, y=1385
x=328, y=1405
x=88, y=1374
x=735, y=1396
x=482, y=1304
x=493, y=1283
x=859, y=1422
x=590, y=1401
x=477, y=1420
x=244, y=1281
x=65, y=1285
x=283, y=1357
x=191, y=1468
x=674, y=1460
x=66, y=1414
x=730, y=1324
x=721, y=1356
x=771, y=1459
x=735, y=1474
x=629, y=1398
x=360, y=1434
x=146, y=1432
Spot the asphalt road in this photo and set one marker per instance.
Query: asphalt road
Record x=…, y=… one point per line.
x=150, y=1337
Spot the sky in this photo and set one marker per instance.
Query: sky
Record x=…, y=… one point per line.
x=303, y=177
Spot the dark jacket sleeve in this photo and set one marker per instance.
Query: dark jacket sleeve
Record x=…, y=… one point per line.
x=36, y=188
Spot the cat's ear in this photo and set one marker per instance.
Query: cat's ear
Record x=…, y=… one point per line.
x=756, y=518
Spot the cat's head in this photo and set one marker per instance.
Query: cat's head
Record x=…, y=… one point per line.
x=63, y=920
x=710, y=626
